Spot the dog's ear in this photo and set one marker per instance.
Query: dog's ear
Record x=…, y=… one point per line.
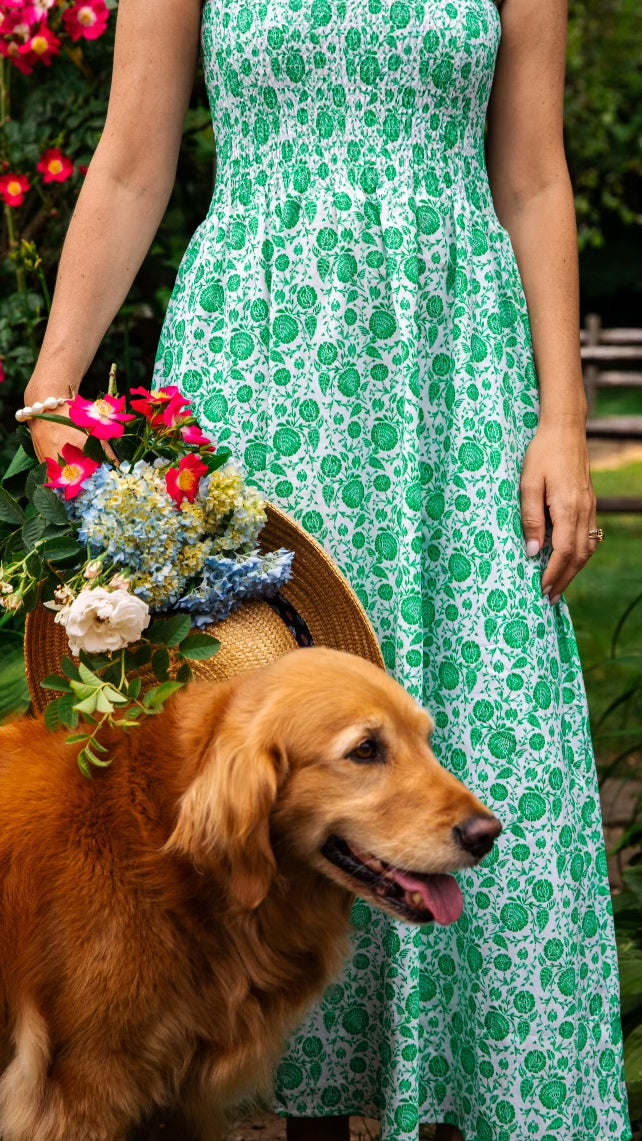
x=224, y=815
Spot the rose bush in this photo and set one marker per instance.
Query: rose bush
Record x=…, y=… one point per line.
x=55, y=64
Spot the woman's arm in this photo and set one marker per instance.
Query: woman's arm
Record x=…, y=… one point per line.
x=534, y=201
x=125, y=193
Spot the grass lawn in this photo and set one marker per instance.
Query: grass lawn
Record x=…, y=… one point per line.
x=600, y=594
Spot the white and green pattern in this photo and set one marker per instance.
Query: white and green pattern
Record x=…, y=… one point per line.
x=350, y=320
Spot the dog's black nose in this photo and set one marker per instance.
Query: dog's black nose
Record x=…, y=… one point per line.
x=477, y=834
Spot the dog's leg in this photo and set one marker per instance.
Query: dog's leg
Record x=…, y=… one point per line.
x=165, y=1126
x=210, y=1125
x=35, y=1107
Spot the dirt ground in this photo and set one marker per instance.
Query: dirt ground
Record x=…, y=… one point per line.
x=270, y=1128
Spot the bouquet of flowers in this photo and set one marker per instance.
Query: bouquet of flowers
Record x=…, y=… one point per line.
x=135, y=551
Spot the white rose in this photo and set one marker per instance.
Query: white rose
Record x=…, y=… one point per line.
x=100, y=620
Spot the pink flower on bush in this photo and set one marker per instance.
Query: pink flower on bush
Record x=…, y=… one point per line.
x=86, y=21
x=177, y=411
x=103, y=418
x=182, y=482
x=154, y=406
x=193, y=435
x=41, y=47
x=55, y=167
x=70, y=476
x=3, y=375
x=11, y=51
x=42, y=7
x=13, y=188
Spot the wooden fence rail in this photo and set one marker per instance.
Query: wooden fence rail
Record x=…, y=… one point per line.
x=609, y=358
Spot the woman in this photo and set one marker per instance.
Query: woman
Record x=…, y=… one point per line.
x=393, y=353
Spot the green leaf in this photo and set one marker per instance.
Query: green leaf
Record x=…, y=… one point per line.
x=95, y=744
x=58, y=549
x=115, y=695
x=50, y=506
x=20, y=462
x=53, y=681
x=134, y=688
x=155, y=698
x=160, y=664
x=95, y=662
x=112, y=674
x=76, y=738
x=81, y=689
x=103, y=705
x=214, y=460
x=90, y=758
x=141, y=657
x=93, y=449
x=185, y=673
x=633, y=880
x=60, y=713
x=32, y=531
x=200, y=647
x=35, y=479
x=131, y=716
x=169, y=631
x=87, y=675
x=30, y=597
x=88, y=705
x=34, y=565
x=14, y=691
x=70, y=669
x=84, y=766
x=10, y=509
x=633, y=1069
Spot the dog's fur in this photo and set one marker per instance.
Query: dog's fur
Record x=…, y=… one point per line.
x=163, y=926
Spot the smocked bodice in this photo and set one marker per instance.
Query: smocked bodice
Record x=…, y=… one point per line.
x=378, y=95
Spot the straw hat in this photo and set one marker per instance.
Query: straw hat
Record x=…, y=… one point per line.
x=316, y=607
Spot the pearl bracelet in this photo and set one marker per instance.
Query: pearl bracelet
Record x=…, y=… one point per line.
x=47, y=405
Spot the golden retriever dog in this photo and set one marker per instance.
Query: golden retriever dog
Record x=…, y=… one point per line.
x=164, y=926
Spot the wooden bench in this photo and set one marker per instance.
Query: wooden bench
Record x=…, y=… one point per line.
x=612, y=358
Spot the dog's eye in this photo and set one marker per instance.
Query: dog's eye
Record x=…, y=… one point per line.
x=366, y=752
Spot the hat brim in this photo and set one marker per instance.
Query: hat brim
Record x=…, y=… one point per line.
x=254, y=634
x=319, y=592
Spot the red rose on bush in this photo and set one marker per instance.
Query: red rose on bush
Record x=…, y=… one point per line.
x=13, y=188
x=86, y=21
x=54, y=166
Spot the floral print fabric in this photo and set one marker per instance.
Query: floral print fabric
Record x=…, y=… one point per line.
x=350, y=320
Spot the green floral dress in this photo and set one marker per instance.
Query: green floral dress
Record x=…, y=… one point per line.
x=349, y=318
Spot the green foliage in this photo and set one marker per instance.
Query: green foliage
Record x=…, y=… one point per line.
x=41, y=559
x=628, y=918
x=14, y=691
x=64, y=106
x=604, y=113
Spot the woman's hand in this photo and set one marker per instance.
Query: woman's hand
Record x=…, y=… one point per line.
x=49, y=439
x=556, y=480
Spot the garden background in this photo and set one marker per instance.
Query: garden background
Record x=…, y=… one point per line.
x=55, y=61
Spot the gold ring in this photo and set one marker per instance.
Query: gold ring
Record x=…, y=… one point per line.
x=597, y=533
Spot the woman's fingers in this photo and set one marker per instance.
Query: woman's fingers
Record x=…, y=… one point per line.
x=572, y=546
x=533, y=510
x=49, y=439
x=556, y=483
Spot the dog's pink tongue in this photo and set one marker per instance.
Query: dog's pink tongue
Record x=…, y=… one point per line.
x=440, y=894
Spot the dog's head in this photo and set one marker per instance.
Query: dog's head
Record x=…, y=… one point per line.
x=324, y=759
